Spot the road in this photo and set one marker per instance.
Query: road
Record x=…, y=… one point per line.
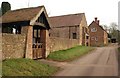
x=101, y=62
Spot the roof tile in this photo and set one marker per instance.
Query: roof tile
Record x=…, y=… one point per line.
x=24, y=14
x=66, y=20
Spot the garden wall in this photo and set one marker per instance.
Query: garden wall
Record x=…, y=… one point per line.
x=13, y=45
x=62, y=43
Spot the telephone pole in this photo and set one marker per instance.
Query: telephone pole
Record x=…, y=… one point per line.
x=28, y=3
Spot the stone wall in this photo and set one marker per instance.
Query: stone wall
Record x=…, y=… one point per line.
x=105, y=38
x=64, y=32
x=13, y=45
x=62, y=43
x=83, y=31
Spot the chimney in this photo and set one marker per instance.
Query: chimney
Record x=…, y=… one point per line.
x=97, y=21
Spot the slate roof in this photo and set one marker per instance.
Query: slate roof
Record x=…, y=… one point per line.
x=24, y=14
x=66, y=20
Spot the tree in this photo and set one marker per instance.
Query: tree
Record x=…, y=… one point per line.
x=114, y=32
x=5, y=7
x=105, y=27
x=119, y=37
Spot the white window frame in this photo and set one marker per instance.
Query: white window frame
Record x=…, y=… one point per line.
x=96, y=38
x=93, y=29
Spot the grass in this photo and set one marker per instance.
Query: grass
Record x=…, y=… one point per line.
x=26, y=67
x=69, y=54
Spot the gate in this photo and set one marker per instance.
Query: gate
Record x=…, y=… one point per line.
x=37, y=50
x=38, y=46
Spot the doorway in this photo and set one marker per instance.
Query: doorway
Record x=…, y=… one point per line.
x=38, y=42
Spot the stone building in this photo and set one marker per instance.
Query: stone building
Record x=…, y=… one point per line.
x=98, y=36
x=25, y=33
x=72, y=26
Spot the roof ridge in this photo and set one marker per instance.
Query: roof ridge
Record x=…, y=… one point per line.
x=66, y=15
x=100, y=26
x=25, y=8
x=23, y=14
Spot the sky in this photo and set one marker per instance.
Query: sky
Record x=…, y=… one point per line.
x=105, y=10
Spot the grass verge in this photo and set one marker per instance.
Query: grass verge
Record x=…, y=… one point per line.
x=69, y=54
x=26, y=67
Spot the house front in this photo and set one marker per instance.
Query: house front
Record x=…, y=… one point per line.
x=71, y=26
x=25, y=33
x=98, y=36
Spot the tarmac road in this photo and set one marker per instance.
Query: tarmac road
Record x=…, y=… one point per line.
x=101, y=62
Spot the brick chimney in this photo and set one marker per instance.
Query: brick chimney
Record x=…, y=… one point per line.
x=97, y=21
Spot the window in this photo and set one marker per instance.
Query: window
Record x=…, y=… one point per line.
x=74, y=36
x=11, y=29
x=93, y=29
x=94, y=38
x=36, y=35
x=87, y=37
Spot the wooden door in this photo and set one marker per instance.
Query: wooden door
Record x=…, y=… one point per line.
x=37, y=44
x=37, y=50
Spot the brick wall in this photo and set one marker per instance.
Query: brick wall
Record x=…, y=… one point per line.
x=99, y=34
x=13, y=45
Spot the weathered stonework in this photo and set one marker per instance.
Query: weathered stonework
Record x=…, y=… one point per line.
x=21, y=42
x=13, y=46
x=29, y=42
x=66, y=31
x=83, y=30
x=62, y=43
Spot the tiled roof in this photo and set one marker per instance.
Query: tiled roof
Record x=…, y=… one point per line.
x=24, y=14
x=99, y=26
x=66, y=20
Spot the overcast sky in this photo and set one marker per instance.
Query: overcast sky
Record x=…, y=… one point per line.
x=105, y=10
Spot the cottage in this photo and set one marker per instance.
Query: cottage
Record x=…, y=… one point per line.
x=98, y=36
x=25, y=33
x=71, y=26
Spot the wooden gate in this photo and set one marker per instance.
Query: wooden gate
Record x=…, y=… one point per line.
x=37, y=50
x=39, y=38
